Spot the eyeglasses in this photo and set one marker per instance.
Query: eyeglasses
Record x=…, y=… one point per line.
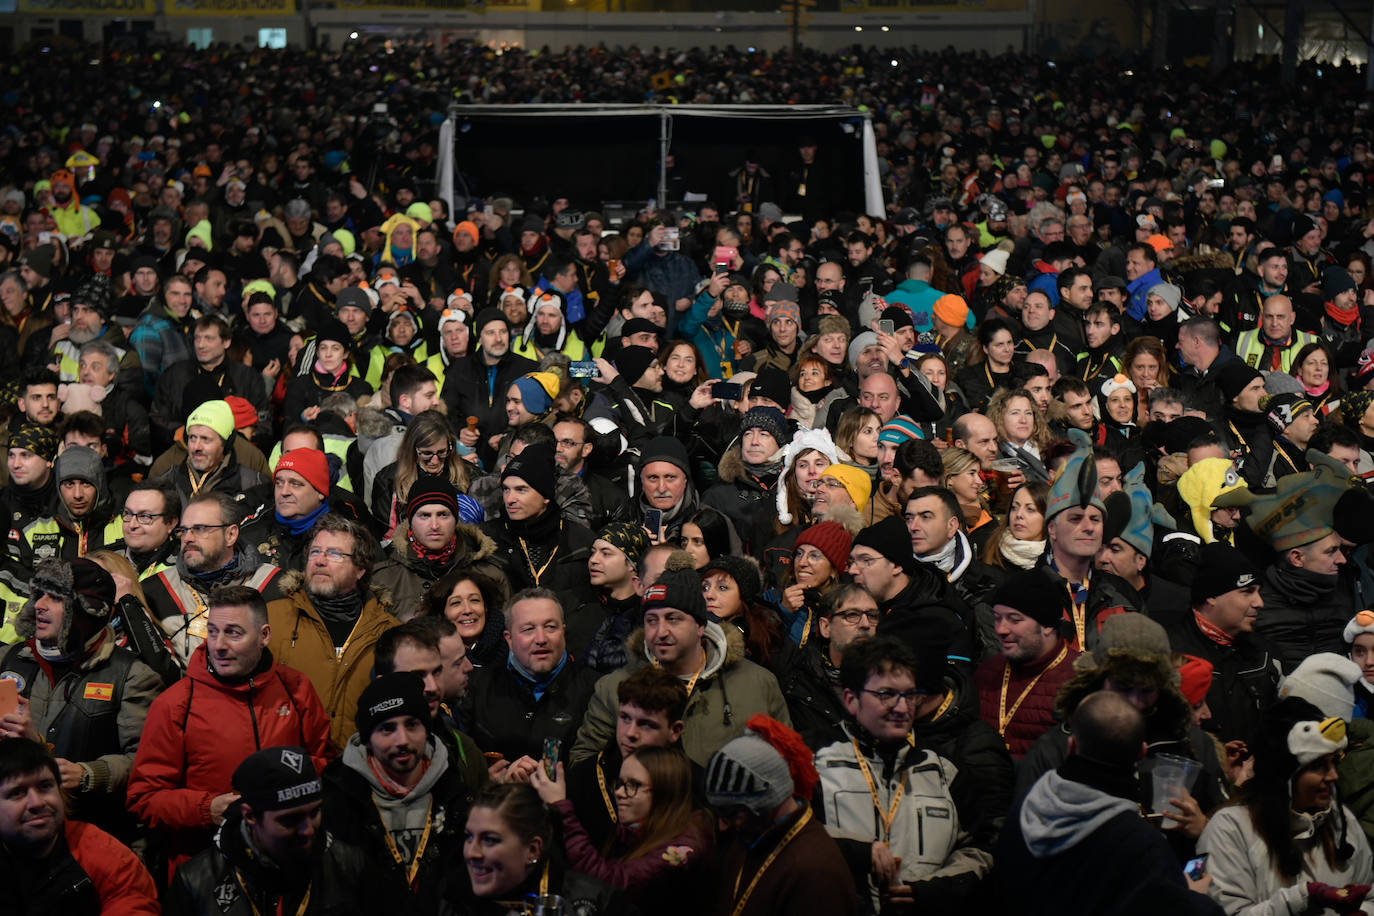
x=888, y=698
x=863, y=562
x=439, y=454
x=631, y=787
x=144, y=518
x=830, y=483
x=333, y=554
x=199, y=531
x=854, y=615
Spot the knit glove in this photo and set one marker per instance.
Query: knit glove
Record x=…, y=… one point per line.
x=1341, y=899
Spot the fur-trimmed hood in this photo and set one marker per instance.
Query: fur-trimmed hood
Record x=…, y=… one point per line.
x=1203, y=260
x=474, y=546
x=732, y=468
x=1172, y=716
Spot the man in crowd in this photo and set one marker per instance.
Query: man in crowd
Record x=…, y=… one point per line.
x=273, y=851
x=66, y=620
x=212, y=458
x=397, y=795
x=680, y=638
x=300, y=497
x=151, y=515
x=52, y=863
x=1017, y=687
x=652, y=703
x=333, y=618
x=212, y=555
x=540, y=693
x=234, y=699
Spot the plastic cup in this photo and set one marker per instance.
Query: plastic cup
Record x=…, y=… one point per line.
x=1170, y=777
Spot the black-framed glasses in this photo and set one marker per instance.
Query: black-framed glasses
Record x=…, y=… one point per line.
x=888, y=698
x=631, y=787
x=854, y=615
x=199, y=531
x=438, y=454
x=144, y=518
x=333, y=554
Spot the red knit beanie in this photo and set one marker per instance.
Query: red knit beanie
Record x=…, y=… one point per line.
x=311, y=464
x=245, y=414
x=1195, y=676
x=831, y=539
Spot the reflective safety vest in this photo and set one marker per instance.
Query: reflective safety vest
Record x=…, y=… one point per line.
x=333, y=445
x=45, y=539
x=1253, y=350
x=69, y=359
x=186, y=628
x=573, y=348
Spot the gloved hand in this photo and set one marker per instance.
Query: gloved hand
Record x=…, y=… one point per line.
x=1341, y=899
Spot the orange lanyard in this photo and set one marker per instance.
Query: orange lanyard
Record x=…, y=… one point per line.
x=414, y=868
x=536, y=573
x=1003, y=716
x=1080, y=614
x=601, y=784
x=890, y=815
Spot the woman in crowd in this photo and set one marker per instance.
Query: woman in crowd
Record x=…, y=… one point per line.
x=964, y=478
x=428, y=447
x=709, y=534
x=813, y=385
x=935, y=368
x=331, y=373
x=1312, y=366
x=1286, y=843
x=1019, y=542
x=510, y=850
x=818, y=559
x=663, y=847
x=1022, y=433
x=472, y=602
x=683, y=369
x=507, y=271
x=856, y=438
x=1146, y=364
x=733, y=587
x=979, y=381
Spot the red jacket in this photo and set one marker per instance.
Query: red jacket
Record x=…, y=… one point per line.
x=124, y=886
x=1035, y=714
x=200, y=729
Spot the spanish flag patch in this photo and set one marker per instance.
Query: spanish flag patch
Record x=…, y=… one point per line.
x=99, y=692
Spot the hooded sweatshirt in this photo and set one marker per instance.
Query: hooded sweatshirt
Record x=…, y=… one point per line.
x=404, y=818
x=1060, y=813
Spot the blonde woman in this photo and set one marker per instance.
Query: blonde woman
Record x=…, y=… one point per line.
x=964, y=478
x=1022, y=433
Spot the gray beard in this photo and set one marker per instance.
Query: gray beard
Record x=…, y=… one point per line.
x=80, y=336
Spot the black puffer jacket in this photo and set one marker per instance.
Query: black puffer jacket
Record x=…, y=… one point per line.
x=746, y=498
x=1304, y=613
x=812, y=700
x=503, y=715
x=548, y=551
x=1244, y=679
x=338, y=880
x=979, y=753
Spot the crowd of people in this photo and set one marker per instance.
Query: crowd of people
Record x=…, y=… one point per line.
x=1004, y=550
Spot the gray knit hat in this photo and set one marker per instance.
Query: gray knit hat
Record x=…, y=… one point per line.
x=750, y=772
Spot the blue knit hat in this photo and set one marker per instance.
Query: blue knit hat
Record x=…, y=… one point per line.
x=899, y=429
x=535, y=398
